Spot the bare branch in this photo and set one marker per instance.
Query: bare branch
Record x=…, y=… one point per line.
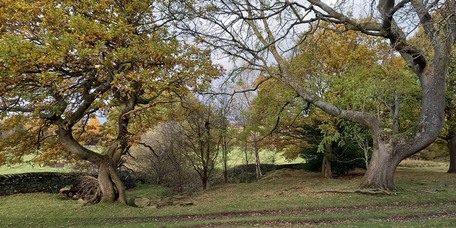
x=257, y=86
x=369, y=28
x=425, y=18
x=398, y=6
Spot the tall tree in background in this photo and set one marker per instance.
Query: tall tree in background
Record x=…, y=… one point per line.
x=223, y=109
x=449, y=130
x=239, y=116
x=202, y=128
x=259, y=32
x=61, y=61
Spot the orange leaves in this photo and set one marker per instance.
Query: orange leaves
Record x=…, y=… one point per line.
x=336, y=52
x=94, y=125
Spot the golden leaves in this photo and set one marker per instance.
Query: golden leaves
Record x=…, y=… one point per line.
x=67, y=57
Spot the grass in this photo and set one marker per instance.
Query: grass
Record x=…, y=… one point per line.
x=149, y=191
x=283, y=198
x=236, y=157
x=27, y=166
x=424, y=165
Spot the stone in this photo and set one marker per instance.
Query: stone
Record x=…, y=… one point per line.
x=141, y=202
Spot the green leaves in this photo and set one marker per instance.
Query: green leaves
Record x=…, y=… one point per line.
x=63, y=60
x=355, y=72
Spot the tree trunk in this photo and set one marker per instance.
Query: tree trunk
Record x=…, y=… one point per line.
x=111, y=186
x=395, y=113
x=257, y=161
x=366, y=153
x=451, y=143
x=204, y=181
x=225, y=160
x=326, y=171
x=246, y=155
x=380, y=174
x=204, y=175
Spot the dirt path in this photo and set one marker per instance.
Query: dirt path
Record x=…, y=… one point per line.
x=422, y=217
x=258, y=214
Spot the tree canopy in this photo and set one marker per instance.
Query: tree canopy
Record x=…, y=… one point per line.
x=61, y=61
x=260, y=32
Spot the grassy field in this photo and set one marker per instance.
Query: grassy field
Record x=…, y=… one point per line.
x=29, y=168
x=236, y=157
x=426, y=198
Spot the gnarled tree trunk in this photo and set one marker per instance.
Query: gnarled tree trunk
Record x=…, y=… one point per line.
x=380, y=173
x=111, y=186
x=390, y=150
x=112, y=189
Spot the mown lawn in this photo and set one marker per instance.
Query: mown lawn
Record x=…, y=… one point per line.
x=284, y=198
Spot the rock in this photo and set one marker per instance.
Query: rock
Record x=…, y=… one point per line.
x=68, y=191
x=141, y=202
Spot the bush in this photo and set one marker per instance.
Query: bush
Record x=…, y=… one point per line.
x=437, y=151
x=244, y=177
x=247, y=173
x=343, y=160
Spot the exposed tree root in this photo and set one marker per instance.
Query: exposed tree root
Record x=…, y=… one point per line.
x=87, y=189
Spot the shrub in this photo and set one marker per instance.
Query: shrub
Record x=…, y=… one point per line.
x=247, y=173
x=344, y=159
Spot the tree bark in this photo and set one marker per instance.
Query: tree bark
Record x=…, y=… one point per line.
x=256, y=151
x=259, y=174
x=225, y=159
x=108, y=192
x=380, y=174
x=365, y=148
x=111, y=186
x=204, y=181
x=326, y=171
x=395, y=113
x=451, y=143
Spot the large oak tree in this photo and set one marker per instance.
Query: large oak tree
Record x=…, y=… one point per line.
x=61, y=61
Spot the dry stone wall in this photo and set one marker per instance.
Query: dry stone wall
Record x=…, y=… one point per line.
x=36, y=182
